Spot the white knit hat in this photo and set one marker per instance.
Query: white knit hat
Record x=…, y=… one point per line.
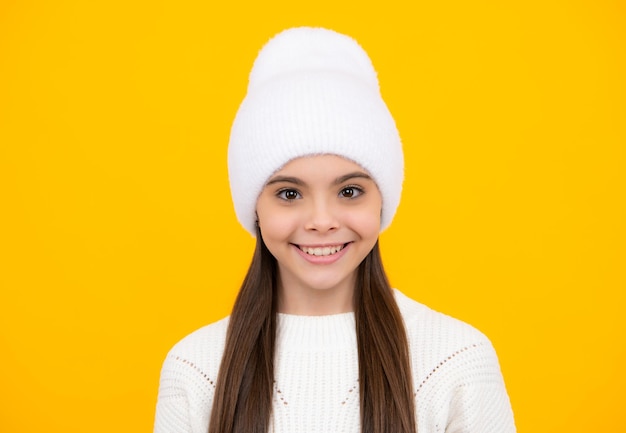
x=312, y=91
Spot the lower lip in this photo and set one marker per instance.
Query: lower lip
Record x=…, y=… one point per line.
x=322, y=260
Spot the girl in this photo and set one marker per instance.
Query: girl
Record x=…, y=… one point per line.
x=317, y=340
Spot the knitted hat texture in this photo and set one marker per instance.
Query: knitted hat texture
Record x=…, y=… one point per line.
x=312, y=91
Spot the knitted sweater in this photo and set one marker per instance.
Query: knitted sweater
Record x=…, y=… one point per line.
x=456, y=376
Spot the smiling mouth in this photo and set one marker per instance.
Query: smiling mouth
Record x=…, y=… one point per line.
x=328, y=250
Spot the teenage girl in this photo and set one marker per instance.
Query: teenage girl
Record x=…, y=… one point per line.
x=317, y=340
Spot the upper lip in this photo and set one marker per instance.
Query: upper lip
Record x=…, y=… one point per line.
x=329, y=244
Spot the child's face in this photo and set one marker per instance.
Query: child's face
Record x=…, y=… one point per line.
x=319, y=216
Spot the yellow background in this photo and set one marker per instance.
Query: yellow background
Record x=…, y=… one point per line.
x=117, y=234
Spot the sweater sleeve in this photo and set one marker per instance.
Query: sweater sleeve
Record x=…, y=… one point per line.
x=479, y=402
x=187, y=384
x=458, y=383
x=172, y=410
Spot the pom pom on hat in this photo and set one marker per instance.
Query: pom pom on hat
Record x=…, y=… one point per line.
x=306, y=50
x=312, y=91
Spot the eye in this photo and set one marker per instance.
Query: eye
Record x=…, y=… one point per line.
x=351, y=192
x=288, y=194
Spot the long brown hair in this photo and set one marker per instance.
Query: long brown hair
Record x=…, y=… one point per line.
x=243, y=395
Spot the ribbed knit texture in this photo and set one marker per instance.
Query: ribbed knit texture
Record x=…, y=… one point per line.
x=457, y=380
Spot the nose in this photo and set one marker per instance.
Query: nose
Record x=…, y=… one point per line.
x=322, y=217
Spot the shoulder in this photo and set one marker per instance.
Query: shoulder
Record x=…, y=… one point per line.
x=201, y=350
x=440, y=343
x=423, y=323
x=206, y=338
x=188, y=378
x=194, y=362
x=456, y=373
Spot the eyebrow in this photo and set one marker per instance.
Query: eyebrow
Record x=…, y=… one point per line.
x=298, y=181
x=353, y=175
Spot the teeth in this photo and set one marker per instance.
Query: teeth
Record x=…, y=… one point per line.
x=322, y=251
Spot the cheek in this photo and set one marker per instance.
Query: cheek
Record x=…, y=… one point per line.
x=274, y=224
x=366, y=222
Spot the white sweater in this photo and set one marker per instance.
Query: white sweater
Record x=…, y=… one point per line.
x=456, y=376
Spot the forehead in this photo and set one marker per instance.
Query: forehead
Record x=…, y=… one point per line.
x=318, y=165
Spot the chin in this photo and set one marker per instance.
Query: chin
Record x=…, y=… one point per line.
x=325, y=285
